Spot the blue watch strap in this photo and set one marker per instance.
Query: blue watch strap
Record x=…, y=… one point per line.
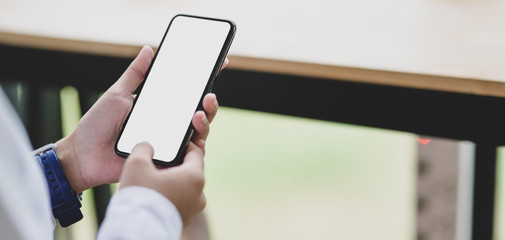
x=65, y=202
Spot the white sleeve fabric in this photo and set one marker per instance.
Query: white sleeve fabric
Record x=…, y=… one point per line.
x=136, y=212
x=25, y=208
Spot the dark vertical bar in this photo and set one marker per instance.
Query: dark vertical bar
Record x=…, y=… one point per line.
x=34, y=110
x=43, y=114
x=102, y=193
x=49, y=120
x=484, y=191
x=39, y=109
x=9, y=89
x=14, y=91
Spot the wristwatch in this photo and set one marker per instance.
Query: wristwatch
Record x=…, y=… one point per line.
x=65, y=202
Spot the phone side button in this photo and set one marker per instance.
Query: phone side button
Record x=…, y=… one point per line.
x=190, y=137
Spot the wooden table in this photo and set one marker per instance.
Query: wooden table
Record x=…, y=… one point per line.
x=434, y=67
x=447, y=45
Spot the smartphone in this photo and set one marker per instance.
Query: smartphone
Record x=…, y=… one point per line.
x=183, y=71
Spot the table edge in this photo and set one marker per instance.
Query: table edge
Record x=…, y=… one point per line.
x=277, y=66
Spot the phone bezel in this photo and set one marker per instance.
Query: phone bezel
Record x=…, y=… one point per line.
x=208, y=88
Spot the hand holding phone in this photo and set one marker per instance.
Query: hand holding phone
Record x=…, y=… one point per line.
x=184, y=69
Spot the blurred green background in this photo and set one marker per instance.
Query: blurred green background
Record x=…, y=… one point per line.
x=278, y=177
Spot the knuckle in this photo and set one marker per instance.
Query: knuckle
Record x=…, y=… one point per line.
x=136, y=72
x=202, y=203
x=197, y=179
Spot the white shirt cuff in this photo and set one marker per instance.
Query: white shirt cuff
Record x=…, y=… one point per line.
x=136, y=212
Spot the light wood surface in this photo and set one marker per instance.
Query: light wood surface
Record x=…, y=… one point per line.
x=449, y=45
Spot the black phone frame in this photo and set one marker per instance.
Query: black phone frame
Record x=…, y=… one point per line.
x=208, y=88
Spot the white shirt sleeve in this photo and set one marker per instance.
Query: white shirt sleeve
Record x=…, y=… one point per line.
x=140, y=213
x=25, y=208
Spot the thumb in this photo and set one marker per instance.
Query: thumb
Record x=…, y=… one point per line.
x=135, y=73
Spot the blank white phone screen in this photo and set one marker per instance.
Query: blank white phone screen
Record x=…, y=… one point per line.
x=174, y=86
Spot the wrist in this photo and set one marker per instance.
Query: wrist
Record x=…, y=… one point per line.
x=65, y=203
x=66, y=154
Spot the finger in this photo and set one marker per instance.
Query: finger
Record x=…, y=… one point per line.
x=135, y=73
x=198, y=206
x=225, y=63
x=137, y=165
x=201, y=125
x=141, y=156
x=193, y=159
x=201, y=144
x=210, y=106
x=202, y=201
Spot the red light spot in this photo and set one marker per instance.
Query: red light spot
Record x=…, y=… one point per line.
x=423, y=141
